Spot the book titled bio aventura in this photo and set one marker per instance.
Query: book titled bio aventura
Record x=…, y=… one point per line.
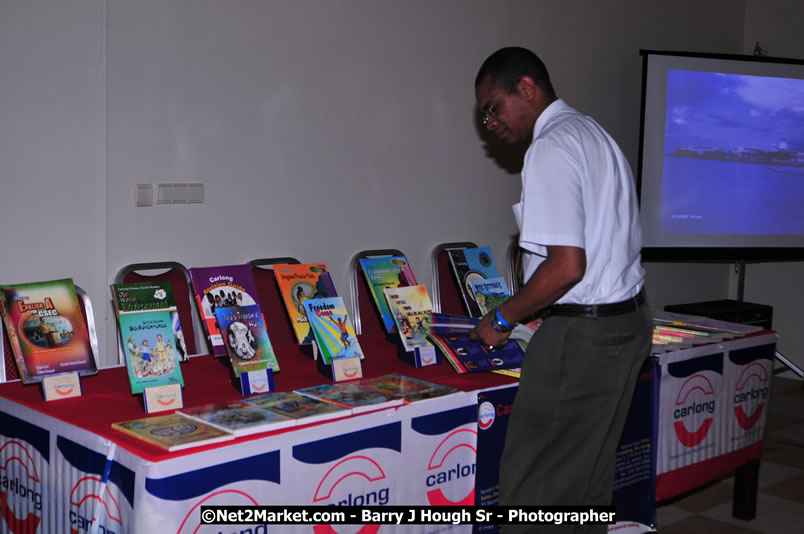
x=221, y=287
x=46, y=330
x=148, y=326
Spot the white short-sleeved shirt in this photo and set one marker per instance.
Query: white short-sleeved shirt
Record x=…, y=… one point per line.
x=578, y=190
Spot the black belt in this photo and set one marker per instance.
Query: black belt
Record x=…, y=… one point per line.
x=596, y=310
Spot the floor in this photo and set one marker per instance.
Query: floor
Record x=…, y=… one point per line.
x=780, y=503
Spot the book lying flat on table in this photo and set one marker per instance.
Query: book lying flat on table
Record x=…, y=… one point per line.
x=173, y=432
x=300, y=407
x=353, y=396
x=237, y=417
x=407, y=388
x=46, y=329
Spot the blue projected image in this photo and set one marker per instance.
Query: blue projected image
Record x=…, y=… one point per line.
x=733, y=154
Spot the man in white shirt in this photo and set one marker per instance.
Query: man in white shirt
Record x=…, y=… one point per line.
x=581, y=241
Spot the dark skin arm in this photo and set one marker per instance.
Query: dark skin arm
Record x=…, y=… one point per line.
x=558, y=273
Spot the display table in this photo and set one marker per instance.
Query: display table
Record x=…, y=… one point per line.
x=61, y=464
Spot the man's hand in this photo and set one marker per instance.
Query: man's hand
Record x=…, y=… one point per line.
x=486, y=334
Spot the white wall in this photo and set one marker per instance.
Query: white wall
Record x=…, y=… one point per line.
x=319, y=128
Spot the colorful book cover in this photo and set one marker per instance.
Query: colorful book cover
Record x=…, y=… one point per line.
x=472, y=264
x=297, y=406
x=246, y=339
x=389, y=271
x=489, y=293
x=332, y=328
x=351, y=395
x=411, y=309
x=150, y=296
x=407, y=388
x=300, y=282
x=239, y=418
x=467, y=356
x=173, y=432
x=46, y=329
x=151, y=358
x=221, y=287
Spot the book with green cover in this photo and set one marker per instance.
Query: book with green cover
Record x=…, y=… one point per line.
x=46, y=330
x=489, y=293
x=147, y=331
x=173, y=432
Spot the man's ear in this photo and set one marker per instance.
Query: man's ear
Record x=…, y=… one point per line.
x=527, y=88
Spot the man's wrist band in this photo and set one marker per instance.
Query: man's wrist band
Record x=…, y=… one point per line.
x=499, y=324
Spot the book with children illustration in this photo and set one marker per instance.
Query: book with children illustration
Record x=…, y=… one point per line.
x=147, y=334
x=246, y=339
x=155, y=295
x=332, y=328
x=46, y=329
x=470, y=264
x=411, y=309
x=298, y=283
x=383, y=272
x=221, y=287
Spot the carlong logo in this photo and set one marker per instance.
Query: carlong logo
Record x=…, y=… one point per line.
x=24, y=486
x=353, y=466
x=441, y=471
x=751, y=388
x=82, y=494
x=191, y=525
x=485, y=415
x=687, y=404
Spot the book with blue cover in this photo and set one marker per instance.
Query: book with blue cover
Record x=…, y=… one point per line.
x=384, y=272
x=246, y=339
x=489, y=293
x=469, y=264
x=332, y=328
x=300, y=407
x=239, y=418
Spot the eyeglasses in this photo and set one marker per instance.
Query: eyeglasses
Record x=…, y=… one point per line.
x=490, y=111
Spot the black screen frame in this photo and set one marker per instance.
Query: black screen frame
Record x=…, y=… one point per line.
x=724, y=254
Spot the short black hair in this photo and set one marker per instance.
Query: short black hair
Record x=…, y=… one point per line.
x=507, y=65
